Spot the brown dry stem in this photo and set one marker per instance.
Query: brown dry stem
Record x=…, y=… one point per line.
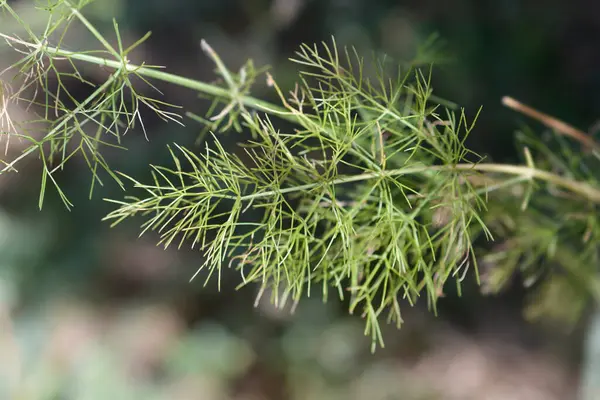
x=559, y=126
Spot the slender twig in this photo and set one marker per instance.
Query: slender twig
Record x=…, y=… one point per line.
x=154, y=73
x=553, y=123
x=526, y=172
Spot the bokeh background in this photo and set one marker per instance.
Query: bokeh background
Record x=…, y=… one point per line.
x=90, y=312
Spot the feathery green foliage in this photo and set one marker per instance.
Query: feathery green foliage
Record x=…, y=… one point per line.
x=70, y=126
x=371, y=195
x=334, y=213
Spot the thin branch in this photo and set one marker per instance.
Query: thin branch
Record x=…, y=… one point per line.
x=553, y=123
x=153, y=72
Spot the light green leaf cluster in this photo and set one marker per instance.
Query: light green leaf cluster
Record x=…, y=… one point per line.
x=360, y=199
x=70, y=125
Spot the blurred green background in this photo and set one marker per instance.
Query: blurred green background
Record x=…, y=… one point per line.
x=90, y=312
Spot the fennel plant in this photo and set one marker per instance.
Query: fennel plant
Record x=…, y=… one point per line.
x=362, y=178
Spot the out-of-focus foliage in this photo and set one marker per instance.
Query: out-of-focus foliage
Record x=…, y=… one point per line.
x=74, y=349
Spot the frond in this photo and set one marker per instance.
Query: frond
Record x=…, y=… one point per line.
x=361, y=201
x=43, y=79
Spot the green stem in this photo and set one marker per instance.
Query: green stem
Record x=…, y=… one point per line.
x=154, y=73
x=93, y=30
x=524, y=172
x=581, y=188
x=584, y=189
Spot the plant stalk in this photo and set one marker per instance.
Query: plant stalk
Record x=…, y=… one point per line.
x=154, y=73
x=581, y=188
